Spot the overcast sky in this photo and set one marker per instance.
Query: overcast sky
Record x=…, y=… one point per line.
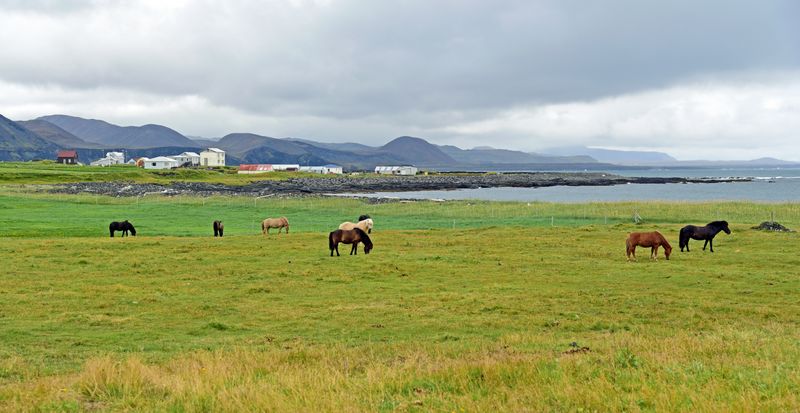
x=709, y=79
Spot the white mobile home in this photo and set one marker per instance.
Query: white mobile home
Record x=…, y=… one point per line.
x=160, y=162
x=187, y=157
x=325, y=169
x=396, y=170
x=212, y=157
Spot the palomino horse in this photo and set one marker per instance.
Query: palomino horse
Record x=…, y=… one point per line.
x=707, y=233
x=349, y=236
x=218, y=228
x=653, y=240
x=279, y=223
x=123, y=226
x=364, y=225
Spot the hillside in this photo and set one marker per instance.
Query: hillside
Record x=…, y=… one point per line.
x=417, y=151
x=56, y=135
x=486, y=155
x=613, y=156
x=110, y=135
x=18, y=143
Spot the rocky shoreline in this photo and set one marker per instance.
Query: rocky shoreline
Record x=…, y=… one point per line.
x=359, y=184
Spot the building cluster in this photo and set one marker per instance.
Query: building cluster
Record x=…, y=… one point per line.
x=265, y=167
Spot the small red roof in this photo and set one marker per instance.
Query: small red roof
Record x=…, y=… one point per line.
x=67, y=154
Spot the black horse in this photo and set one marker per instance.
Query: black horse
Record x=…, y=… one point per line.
x=123, y=226
x=363, y=217
x=218, y=227
x=707, y=233
x=349, y=236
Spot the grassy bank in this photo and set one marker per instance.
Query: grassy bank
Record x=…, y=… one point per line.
x=46, y=172
x=475, y=318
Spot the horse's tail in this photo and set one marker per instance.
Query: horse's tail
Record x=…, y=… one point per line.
x=330, y=241
x=683, y=237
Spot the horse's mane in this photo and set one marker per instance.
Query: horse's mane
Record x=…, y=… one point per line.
x=664, y=241
x=364, y=237
x=718, y=224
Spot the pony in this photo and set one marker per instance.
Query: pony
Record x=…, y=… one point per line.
x=647, y=239
x=123, y=226
x=365, y=225
x=349, y=236
x=218, y=228
x=707, y=233
x=279, y=223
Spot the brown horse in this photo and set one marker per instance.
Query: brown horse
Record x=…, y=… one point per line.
x=647, y=239
x=279, y=223
x=349, y=236
x=218, y=228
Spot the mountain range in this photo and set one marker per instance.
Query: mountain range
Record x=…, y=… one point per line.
x=40, y=138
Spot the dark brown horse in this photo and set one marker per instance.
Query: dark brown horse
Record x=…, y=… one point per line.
x=707, y=233
x=123, y=226
x=218, y=228
x=653, y=240
x=349, y=236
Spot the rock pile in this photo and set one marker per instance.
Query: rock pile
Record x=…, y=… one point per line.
x=772, y=226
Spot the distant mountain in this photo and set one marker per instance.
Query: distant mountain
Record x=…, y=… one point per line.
x=488, y=155
x=56, y=135
x=347, y=146
x=110, y=135
x=417, y=151
x=18, y=143
x=613, y=156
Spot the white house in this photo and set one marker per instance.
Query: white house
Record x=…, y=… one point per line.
x=188, y=157
x=325, y=169
x=396, y=170
x=212, y=157
x=161, y=162
x=112, y=158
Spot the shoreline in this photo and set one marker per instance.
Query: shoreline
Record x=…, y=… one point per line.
x=326, y=186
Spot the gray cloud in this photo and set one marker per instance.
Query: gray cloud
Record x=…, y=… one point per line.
x=393, y=67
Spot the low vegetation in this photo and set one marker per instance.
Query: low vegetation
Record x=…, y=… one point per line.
x=48, y=172
x=461, y=306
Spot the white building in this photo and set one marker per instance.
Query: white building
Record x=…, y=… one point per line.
x=188, y=157
x=212, y=157
x=285, y=167
x=161, y=162
x=396, y=170
x=325, y=169
x=112, y=158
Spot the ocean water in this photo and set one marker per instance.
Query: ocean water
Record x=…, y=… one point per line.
x=768, y=185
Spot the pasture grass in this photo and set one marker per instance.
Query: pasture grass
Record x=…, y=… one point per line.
x=475, y=318
x=49, y=172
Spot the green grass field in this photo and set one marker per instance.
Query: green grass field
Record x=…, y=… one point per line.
x=462, y=306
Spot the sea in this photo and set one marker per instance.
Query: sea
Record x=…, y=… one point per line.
x=766, y=185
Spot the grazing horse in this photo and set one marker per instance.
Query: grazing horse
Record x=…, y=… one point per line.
x=646, y=239
x=123, y=226
x=349, y=236
x=707, y=233
x=279, y=223
x=218, y=228
x=365, y=225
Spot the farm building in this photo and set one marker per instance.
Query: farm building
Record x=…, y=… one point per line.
x=396, y=170
x=67, y=157
x=112, y=158
x=188, y=158
x=161, y=162
x=325, y=169
x=139, y=162
x=254, y=168
x=285, y=167
x=212, y=157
